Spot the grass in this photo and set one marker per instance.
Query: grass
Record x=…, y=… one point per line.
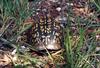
x=80, y=49
x=75, y=57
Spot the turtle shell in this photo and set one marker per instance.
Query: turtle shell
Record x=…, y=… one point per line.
x=45, y=33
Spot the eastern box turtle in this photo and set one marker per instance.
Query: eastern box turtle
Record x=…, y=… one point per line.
x=45, y=33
